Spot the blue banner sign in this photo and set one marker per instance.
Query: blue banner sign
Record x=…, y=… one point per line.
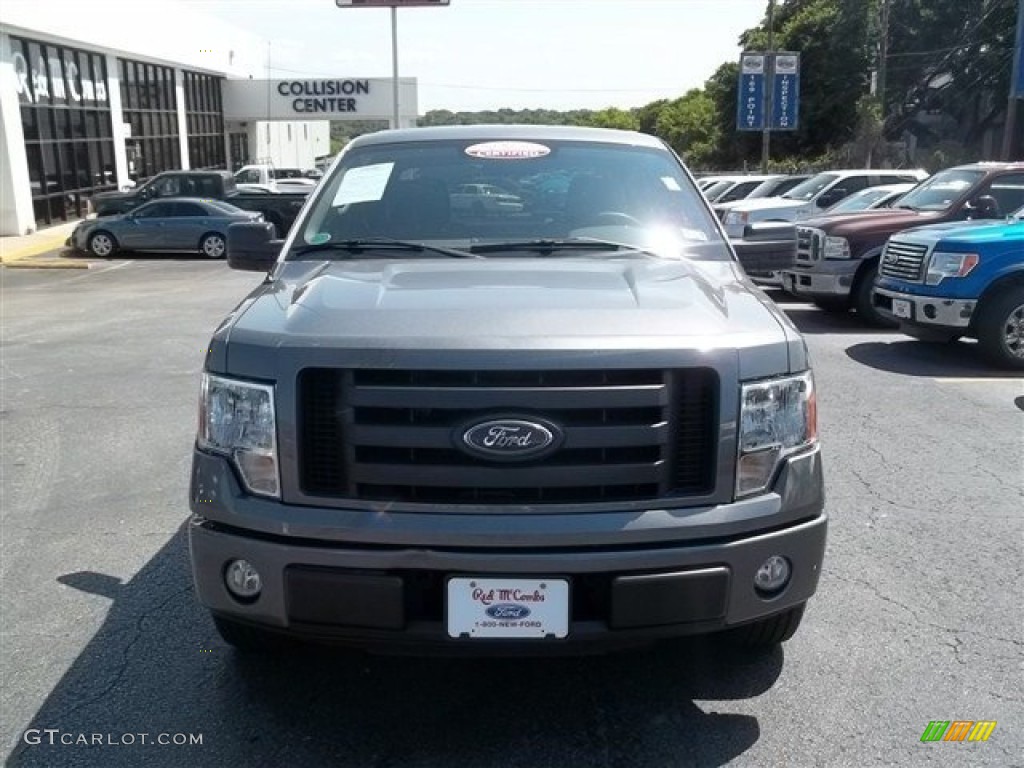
x=786, y=92
x=750, y=98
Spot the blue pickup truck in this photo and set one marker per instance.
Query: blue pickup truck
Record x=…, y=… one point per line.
x=946, y=281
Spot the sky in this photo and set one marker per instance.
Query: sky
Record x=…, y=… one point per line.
x=489, y=54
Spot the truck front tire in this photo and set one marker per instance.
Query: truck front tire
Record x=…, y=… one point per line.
x=861, y=298
x=1000, y=328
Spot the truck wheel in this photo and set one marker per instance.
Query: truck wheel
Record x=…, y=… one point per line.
x=1001, y=328
x=771, y=631
x=867, y=312
x=102, y=244
x=213, y=246
x=246, y=638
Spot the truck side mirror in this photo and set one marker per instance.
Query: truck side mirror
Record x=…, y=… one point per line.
x=252, y=247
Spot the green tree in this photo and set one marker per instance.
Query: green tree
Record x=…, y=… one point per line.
x=689, y=124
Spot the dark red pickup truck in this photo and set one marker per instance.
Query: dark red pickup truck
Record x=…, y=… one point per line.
x=837, y=256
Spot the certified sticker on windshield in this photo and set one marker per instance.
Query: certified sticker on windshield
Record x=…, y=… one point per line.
x=507, y=150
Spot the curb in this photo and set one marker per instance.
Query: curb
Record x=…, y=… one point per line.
x=29, y=263
x=24, y=253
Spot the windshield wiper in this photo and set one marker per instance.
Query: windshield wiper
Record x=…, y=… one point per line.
x=380, y=243
x=549, y=246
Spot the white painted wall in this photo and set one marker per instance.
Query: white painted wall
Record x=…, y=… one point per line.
x=289, y=144
x=16, y=215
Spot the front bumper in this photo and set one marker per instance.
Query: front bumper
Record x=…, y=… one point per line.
x=638, y=586
x=924, y=311
x=824, y=278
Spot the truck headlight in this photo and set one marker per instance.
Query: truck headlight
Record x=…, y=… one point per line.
x=777, y=418
x=836, y=248
x=237, y=420
x=943, y=265
x=737, y=217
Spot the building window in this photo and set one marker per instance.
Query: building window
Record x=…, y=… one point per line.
x=150, y=106
x=65, y=115
x=205, y=115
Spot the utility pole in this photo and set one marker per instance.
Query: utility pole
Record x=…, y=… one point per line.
x=1016, y=88
x=394, y=67
x=883, y=55
x=769, y=87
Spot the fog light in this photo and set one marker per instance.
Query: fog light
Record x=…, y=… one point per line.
x=772, y=575
x=243, y=580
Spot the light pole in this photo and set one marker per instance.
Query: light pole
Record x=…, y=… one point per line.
x=769, y=79
x=394, y=5
x=1016, y=86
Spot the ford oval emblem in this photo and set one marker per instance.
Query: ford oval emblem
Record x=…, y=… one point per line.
x=510, y=439
x=508, y=611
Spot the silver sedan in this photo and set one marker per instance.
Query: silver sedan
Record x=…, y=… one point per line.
x=169, y=224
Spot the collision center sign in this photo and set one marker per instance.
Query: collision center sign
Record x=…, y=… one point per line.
x=317, y=99
x=323, y=95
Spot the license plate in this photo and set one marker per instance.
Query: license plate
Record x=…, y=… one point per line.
x=901, y=308
x=508, y=608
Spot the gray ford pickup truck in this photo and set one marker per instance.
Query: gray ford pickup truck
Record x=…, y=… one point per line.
x=568, y=424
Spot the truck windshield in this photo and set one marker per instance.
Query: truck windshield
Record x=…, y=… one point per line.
x=462, y=193
x=808, y=189
x=940, y=191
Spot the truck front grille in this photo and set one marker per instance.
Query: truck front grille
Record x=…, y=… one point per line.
x=903, y=261
x=808, y=243
x=391, y=435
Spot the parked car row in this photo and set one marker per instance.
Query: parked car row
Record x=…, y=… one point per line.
x=277, y=206
x=945, y=261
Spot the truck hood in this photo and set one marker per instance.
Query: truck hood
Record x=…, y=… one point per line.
x=770, y=203
x=968, y=233
x=569, y=304
x=108, y=196
x=885, y=221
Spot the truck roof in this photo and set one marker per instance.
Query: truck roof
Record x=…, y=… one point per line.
x=1014, y=165
x=509, y=132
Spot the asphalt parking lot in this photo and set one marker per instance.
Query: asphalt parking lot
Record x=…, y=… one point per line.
x=918, y=616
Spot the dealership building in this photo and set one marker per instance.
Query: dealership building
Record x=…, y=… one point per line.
x=97, y=96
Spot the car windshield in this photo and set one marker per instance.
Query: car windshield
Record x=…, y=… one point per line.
x=465, y=194
x=860, y=201
x=717, y=189
x=940, y=191
x=811, y=187
x=768, y=188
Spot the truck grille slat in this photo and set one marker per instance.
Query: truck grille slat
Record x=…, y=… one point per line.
x=393, y=435
x=575, y=437
x=904, y=261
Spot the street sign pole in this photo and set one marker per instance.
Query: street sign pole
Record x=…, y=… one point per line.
x=769, y=79
x=394, y=67
x=1016, y=88
x=394, y=5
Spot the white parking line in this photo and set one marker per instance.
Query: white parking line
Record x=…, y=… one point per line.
x=980, y=380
